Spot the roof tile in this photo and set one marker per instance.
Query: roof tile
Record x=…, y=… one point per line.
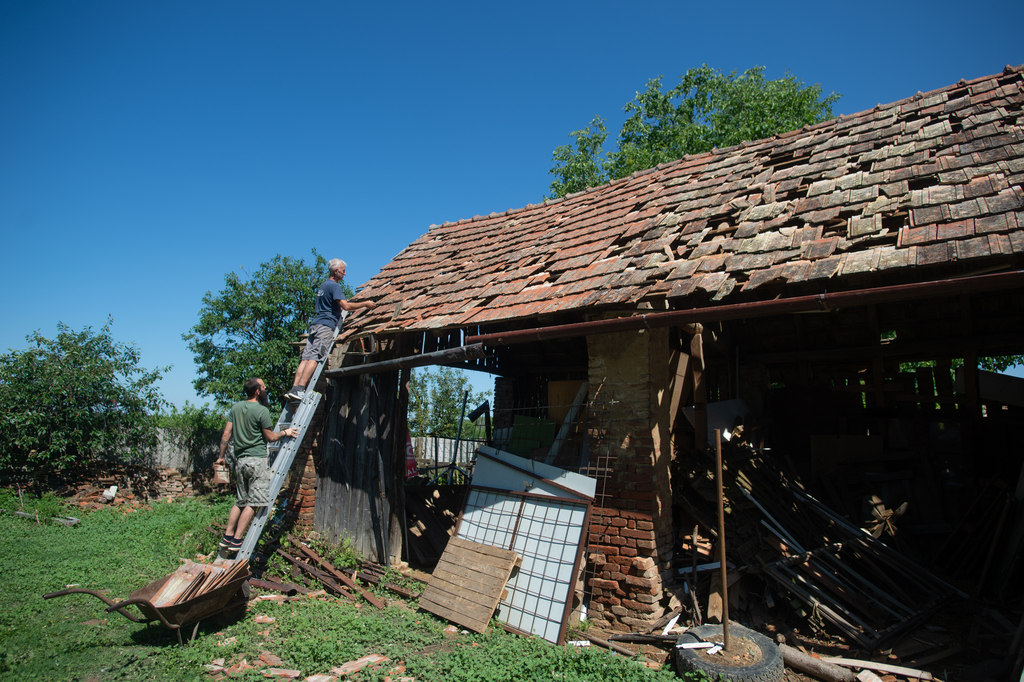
x=727, y=223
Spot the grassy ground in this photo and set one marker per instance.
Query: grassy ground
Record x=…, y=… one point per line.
x=71, y=638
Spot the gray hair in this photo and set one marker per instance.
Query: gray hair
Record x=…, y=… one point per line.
x=334, y=264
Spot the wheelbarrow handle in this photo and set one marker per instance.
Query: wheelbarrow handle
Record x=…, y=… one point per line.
x=128, y=602
x=98, y=595
x=109, y=602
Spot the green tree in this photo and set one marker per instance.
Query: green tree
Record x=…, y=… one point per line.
x=245, y=329
x=435, y=401
x=707, y=109
x=70, y=400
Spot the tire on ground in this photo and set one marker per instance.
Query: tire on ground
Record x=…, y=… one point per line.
x=768, y=667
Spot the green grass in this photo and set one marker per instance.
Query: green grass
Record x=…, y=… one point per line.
x=60, y=639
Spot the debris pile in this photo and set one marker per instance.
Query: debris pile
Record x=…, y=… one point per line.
x=431, y=513
x=788, y=546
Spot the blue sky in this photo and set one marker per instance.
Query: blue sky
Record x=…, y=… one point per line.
x=147, y=149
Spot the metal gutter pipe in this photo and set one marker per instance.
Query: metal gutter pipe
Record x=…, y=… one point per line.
x=798, y=304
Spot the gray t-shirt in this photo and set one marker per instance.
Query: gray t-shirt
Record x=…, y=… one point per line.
x=328, y=304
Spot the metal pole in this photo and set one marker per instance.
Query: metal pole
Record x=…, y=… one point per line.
x=721, y=538
x=738, y=311
x=458, y=434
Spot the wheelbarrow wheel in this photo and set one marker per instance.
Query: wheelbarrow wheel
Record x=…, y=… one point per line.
x=752, y=657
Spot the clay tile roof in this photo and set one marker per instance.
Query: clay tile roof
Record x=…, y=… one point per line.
x=928, y=180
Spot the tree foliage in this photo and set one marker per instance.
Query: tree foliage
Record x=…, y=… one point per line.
x=707, y=109
x=435, y=402
x=245, y=329
x=70, y=400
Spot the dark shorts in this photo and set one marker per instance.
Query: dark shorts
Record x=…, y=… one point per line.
x=318, y=343
x=252, y=482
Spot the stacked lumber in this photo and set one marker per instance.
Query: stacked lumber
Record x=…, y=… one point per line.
x=784, y=542
x=194, y=580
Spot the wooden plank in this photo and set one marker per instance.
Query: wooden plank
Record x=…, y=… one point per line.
x=329, y=568
x=882, y=667
x=469, y=615
x=483, y=584
x=468, y=583
x=460, y=553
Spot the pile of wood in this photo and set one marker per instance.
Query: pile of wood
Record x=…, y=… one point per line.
x=194, y=580
x=431, y=513
x=309, y=567
x=793, y=552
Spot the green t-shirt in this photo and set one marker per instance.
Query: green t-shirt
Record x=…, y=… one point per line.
x=248, y=419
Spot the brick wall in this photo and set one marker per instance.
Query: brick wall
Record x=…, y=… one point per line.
x=504, y=402
x=631, y=528
x=300, y=485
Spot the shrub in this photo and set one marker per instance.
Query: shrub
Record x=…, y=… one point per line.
x=75, y=398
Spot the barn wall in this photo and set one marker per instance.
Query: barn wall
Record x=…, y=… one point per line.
x=631, y=531
x=357, y=467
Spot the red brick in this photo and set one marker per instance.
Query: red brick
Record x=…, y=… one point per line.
x=608, y=550
x=637, y=606
x=619, y=523
x=649, y=545
x=640, y=516
x=637, y=581
x=640, y=534
x=604, y=584
x=644, y=525
x=628, y=551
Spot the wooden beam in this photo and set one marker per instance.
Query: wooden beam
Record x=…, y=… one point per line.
x=441, y=357
x=700, y=391
x=931, y=349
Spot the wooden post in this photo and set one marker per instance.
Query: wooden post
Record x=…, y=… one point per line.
x=721, y=538
x=398, y=467
x=700, y=391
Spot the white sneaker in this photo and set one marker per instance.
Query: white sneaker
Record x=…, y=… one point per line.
x=295, y=395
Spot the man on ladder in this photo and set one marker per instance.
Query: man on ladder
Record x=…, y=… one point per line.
x=330, y=301
x=331, y=307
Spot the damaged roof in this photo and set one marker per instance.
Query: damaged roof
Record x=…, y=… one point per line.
x=901, y=189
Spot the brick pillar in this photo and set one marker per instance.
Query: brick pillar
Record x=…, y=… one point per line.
x=504, y=401
x=631, y=528
x=300, y=484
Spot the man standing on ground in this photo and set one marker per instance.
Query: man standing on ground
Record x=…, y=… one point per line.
x=330, y=301
x=249, y=429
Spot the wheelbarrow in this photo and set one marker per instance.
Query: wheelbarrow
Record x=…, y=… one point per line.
x=173, y=616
